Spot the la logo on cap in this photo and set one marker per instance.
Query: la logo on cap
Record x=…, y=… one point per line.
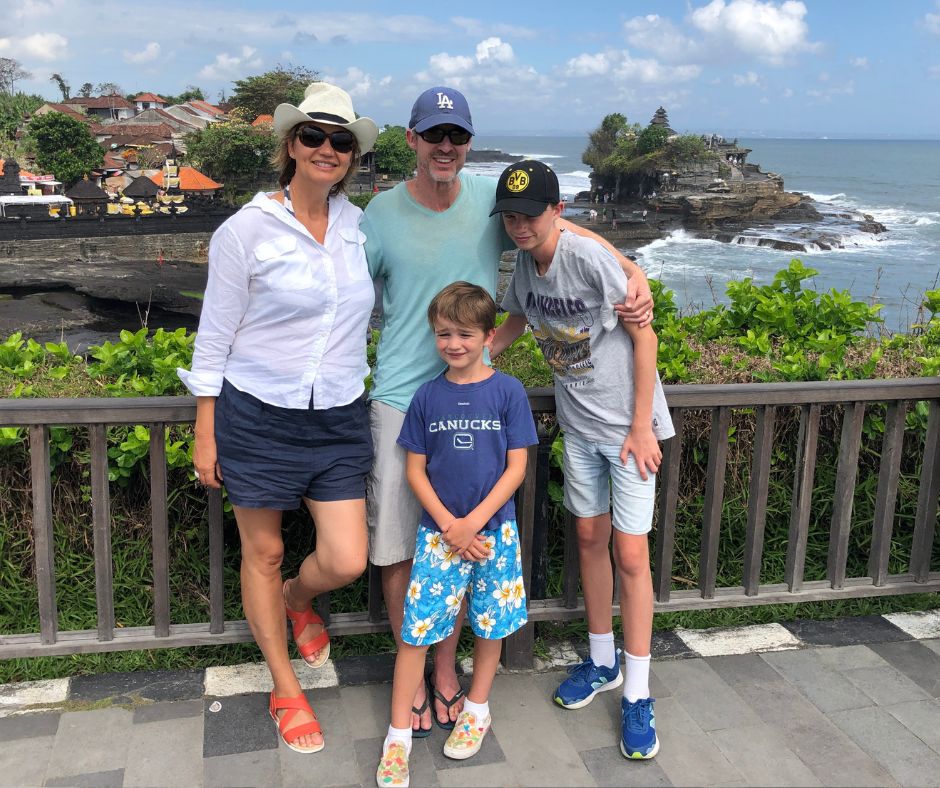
x=517, y=181
x=444, y=102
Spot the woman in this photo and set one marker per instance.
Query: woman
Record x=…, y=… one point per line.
x=278, y=373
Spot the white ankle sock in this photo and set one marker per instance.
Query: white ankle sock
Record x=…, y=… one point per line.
x=398, y=734
x=637, y=685
x=603, y=652
x=480, y=710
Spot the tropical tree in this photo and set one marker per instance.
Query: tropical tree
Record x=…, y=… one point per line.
x=64, y=87
x=13, y=110
x=652, y=138
x=109, y=89
x=392, y=153
x=234, y=153
x=192, y=92
x=260, y=94
x=11, y=70
x=64, y=146
x=86, y=90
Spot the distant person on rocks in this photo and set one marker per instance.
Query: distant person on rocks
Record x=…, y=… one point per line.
x=592, y=215
x=613, y=412
x=278, y=373
x=422, y=235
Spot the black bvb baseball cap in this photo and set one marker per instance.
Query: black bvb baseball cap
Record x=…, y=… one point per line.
x=526, y=187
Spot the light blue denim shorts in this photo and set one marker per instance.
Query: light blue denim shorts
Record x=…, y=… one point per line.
x=594, y=474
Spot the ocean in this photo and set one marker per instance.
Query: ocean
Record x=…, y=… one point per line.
x=896, y=182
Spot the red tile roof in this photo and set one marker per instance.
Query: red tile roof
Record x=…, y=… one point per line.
x=205, y=106
x=151, y=97
x=262, y=120
x=191, y=180
x=101, y=102
x=65, y=109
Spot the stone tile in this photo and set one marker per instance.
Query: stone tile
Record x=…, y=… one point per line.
x=491, y=775
x=90, y=741
x=336, y=764
x=489, y=753
x=831, y=755
x=900, y=752
x=20, y=695
x=920, y=624
x=590, y=727
x=915, y=660
x=885, y=685
x=368, y=710
x=367, y=669
x=245, y=769
x=155, y=685
x=420, y=762
x=847, y=657
x=529, y=727
x=824, y=686
x=168, y=752
x=155, y=712
x=242, y=725
x=609, y=768
x=22, y=726
x=251, y=677
x=667, y=644
x=768, y=694
x=756, y=753
x=24, y=761
x=695, y=760
x=846, y=631
x=696, y=686
x=112, y=779
x=933, y=645
x=922, y=718
x=738, y=640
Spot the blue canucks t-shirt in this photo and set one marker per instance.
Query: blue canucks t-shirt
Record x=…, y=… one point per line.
x=464, y=431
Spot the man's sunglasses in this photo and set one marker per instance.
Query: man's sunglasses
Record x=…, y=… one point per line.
x=314, y=137
x=436, y=134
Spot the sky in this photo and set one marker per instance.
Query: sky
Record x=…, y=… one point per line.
x=742, y=67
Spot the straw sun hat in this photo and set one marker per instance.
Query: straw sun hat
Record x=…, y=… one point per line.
x=328, y=104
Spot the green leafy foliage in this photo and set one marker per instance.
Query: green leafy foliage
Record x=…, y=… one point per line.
x=233, y=153
x=13, y=108
x=260, y=94
x=392, y=152
x=64, y=146
x=652, y=138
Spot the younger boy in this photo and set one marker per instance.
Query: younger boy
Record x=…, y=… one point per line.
x=611, y=407
x=466, y=433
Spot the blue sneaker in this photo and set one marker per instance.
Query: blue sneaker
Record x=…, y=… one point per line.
x=585, y=681
x=638, y=737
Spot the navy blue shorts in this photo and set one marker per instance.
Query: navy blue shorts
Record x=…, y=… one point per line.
x=272, y=457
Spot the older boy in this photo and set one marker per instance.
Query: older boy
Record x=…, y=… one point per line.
x=611, y=407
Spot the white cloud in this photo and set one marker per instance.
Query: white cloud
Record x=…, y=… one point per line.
x=764, y=100
x=770, y=31
x=826, y=95
x=934, y=72
x=357, y=83
x=146, y=55
x=476, y=28
x=494, y=49
x=750, y=79
x=859, y=62
x=46, y=47
x=622, y=66
x=660, y=36
x=28, y=9
x=788, y=92
x=932, y=21
x=226, y=66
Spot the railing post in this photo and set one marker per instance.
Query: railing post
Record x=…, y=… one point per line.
x=519, y=647
x=714, y=497
x=160, y=532
x=43, y=541
x=925, y=521
x=802, y=495
x=757, y=495
x=668, y=501
x=101, y=519
x=886, y=498
x=841, y=527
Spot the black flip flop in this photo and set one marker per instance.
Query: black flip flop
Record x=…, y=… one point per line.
x=448, y=702
x=422, y=733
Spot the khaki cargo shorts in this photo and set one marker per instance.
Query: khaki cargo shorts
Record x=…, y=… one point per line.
x=392, y=508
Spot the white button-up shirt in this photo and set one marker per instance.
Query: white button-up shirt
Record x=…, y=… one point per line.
x=285, y=317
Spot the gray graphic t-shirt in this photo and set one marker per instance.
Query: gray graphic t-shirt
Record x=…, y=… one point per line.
x=571, y=313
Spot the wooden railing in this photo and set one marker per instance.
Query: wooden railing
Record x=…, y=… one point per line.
x=764, y=400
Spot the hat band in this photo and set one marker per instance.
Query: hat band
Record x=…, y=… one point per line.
x=325, y=116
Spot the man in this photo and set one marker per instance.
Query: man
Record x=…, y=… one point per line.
x=421, y=236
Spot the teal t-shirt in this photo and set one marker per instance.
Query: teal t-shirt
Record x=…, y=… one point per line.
x=416, y=252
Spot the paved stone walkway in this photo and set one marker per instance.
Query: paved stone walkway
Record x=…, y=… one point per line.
x=859, y=714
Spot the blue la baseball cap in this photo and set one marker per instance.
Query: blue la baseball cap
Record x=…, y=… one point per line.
x=440, y=105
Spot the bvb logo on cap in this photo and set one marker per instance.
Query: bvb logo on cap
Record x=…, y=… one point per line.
x=517, y=181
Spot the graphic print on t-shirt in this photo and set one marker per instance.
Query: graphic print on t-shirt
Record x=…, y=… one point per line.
x=562, y=328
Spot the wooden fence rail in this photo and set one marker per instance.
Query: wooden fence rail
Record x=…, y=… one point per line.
x=765, y=401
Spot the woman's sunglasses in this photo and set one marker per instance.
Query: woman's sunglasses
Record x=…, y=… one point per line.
x=435, y=134
x=314, y=137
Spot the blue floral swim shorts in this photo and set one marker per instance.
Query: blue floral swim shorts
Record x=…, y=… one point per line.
x=440, y=579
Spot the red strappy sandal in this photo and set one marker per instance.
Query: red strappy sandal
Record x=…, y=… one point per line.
x=299, y=621
x=290, y=735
